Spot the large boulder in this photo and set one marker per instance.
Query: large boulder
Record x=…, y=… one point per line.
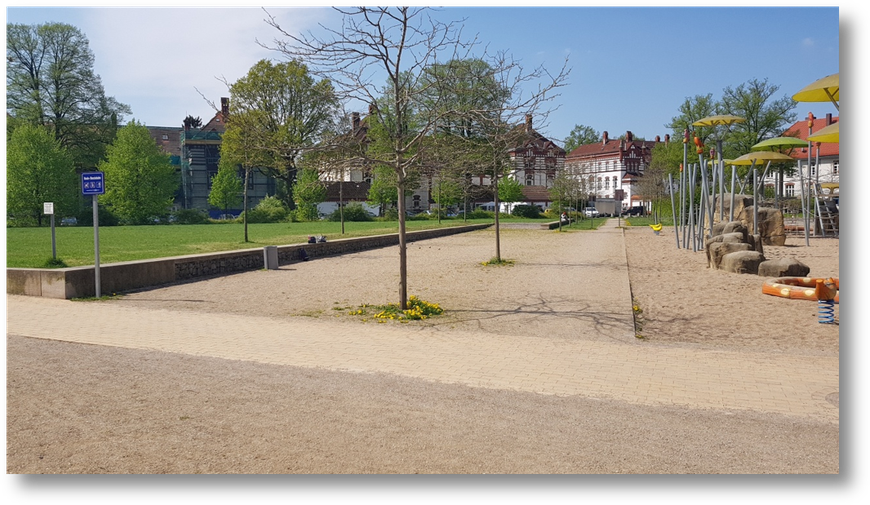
x=742, y=262
x=716, y=251
x=783, y=267
x=770, y=224
x=730, y=227
x=741, y=201
x=728, y=237
x=756, y=242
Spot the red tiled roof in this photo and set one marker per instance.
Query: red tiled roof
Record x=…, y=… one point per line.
x=172, y=143
x=800, y=130
x=605, y=149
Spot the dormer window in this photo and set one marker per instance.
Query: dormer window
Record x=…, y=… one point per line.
x=165, y=137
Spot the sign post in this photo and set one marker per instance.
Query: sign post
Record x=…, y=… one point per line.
x=48, y=209
x=92, y=184
x=618, y=195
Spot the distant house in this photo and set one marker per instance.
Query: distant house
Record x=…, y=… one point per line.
x=200, y=155
x=341, y=193
x=825, y=165
x=535, y=161
x=612, y=164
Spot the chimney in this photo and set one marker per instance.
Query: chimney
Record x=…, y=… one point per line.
x=528, y=123
x=355, y=120
x=605, y=138
x=225, y=108
x=828, y=119
x=628, y=136
x=658, y=139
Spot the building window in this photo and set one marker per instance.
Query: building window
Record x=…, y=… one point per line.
x=530, y=178
x=835, y=167
x=165, y=137
x=789, y=190
x=607, y=183
x=416, y=201
x=598, y=185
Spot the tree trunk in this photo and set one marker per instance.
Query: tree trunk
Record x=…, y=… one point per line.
x=247, y=176
x=403, y=252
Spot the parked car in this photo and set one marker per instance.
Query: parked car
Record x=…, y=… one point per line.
x=68, y=221
x=590, y=212
x=634, y=211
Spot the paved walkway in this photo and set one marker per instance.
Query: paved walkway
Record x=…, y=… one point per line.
x=640, y=374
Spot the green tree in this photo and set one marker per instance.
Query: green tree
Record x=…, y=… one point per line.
x=565, y=191
x=294, y=112
x=510, y=191
x=466, y=91
x=140, y=180
x=226, y=187
x=383, y=192
x=691, y=110
x=581, y=135
x=50, y=81
x=239, y=148
x=666, y=159
x=308, y=191
x=766, y=117
x=447, y=192
x=38, y=170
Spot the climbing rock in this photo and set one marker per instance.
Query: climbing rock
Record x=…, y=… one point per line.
x=741, y=262
x=783, y=267
x=716, y=251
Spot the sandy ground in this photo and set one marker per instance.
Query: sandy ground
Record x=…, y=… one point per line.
x=686, y=303
x=134, y=411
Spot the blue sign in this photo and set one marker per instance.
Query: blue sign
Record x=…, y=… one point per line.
x=92, y=183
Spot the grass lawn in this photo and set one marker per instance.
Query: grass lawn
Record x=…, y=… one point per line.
x=31, y=247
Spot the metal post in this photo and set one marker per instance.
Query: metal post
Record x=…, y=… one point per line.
x=673, y=209
x=692, y=210
x=721, y=180
x=53, y=242
x=96, y=249
x=755, y=201
x=733, y=180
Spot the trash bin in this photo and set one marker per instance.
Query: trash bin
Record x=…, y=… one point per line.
x=270, y=257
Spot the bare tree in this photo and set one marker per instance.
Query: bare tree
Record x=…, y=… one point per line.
x=398, y=46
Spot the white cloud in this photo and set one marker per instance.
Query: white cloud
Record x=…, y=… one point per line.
x=808, y=42
x=168, y=53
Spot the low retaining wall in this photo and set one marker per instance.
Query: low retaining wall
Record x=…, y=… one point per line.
x=78, y=282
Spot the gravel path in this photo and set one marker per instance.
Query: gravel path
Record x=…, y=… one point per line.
x=79, y=408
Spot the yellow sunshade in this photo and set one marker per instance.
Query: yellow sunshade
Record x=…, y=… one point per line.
x=829, y=134
x=718, y=120
x=760, y=157
x=824, y=90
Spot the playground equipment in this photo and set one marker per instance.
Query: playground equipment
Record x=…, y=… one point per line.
x=804, y=288
x=656, y=228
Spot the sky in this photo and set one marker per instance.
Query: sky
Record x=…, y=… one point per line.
x=631, y=67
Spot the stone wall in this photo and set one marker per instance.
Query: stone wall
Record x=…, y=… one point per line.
x=78, y=282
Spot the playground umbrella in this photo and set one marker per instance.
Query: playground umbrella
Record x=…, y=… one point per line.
x=823, y=90
x=752, y=159
x=769, y=156
x=718, y=120
x=829, y=134
x=779, y=142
